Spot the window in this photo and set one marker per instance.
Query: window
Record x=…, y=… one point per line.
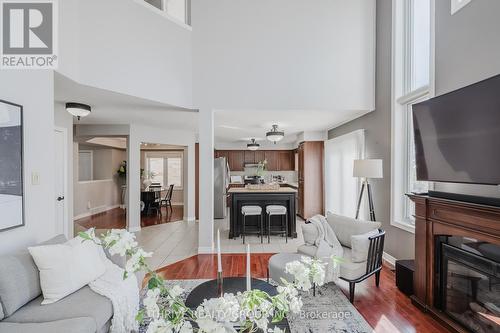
x=165, y=168
x=412, y=69
x=341, y=188
x=177, y=9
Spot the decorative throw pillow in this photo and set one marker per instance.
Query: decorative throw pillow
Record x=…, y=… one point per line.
x=360, y=244
x=310, y=233
x=65, y=268
x=345, y=227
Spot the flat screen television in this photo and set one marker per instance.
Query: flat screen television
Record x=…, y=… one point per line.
x=457, y=135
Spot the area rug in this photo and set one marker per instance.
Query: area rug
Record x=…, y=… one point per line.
x=328, y=311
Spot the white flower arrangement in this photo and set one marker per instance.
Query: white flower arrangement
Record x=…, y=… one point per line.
x=250, y=311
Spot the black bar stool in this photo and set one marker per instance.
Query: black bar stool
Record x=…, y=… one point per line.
x=279, y=211
x=252, y=211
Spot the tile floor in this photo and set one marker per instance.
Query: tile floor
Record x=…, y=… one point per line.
x=175, y=241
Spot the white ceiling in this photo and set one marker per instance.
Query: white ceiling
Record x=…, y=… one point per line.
x=113, y=108
x=234, y=127
x=241, y=126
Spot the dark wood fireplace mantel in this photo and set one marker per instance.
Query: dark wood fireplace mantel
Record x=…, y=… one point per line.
x=437, y=217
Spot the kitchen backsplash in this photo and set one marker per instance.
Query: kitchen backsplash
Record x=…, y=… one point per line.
x=290, y=176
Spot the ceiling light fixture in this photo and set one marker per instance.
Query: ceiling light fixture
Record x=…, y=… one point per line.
x=275, y=134
x=78, y=109
x=253, y=145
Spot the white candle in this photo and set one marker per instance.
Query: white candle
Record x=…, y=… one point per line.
x=249, y=275
x=219, y=257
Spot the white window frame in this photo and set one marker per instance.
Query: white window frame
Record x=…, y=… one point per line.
x=166, y=155
x=401, y=98
x=163, y=12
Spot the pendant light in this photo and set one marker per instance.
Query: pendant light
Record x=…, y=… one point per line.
x=253, y=145
x=78, y=109
x=275, y=134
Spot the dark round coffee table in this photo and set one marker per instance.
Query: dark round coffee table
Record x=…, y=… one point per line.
x=231, y=285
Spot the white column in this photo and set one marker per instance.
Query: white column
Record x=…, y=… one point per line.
x=133, y=182
x=206, y=199
x=189, y=190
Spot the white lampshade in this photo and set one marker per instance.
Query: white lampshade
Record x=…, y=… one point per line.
x=368, y=169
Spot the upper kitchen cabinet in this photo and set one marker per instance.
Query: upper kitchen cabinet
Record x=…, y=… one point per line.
x=277, y=160
x=250, y=157
x=286, y=160
x=237, y=160
x=272, y=160
x=222, y=153
x=259, y=156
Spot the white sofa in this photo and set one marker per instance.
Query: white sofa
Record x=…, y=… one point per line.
x=362, y=243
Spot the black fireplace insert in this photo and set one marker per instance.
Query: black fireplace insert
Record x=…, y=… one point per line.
x=468, y=279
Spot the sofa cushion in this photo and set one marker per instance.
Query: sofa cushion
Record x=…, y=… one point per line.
x=308, y=250
x=20, y=279
x=83, y=303
x=74, y=325
x=351, y=270
x=345, y=227
x=360, y=245
x=310, y=233
x=65, y=268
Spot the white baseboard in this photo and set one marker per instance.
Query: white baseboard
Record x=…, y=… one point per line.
x=95, y=211
x=190, y=219
x=205, y=250
x=390, y=260
x=134, y=229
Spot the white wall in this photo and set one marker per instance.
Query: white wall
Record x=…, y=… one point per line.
x=284, y=54
x=102, y=194
x=126, y=46
x=35, y=91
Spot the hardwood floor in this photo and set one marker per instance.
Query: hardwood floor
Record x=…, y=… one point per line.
x=385, y=308
x=116, y=219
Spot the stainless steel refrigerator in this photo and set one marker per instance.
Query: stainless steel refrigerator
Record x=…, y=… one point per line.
x=221, y=184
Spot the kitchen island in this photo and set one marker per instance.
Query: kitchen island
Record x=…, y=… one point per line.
x=239, y=197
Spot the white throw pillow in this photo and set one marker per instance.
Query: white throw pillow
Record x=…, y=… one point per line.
x=360, y=245
x=65, y=268
x=310, y=233
x=345, y=227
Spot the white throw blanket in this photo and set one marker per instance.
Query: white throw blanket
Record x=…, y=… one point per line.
x=327, y=245
x=124, y=295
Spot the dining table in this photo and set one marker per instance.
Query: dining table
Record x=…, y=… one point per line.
x=149, y=195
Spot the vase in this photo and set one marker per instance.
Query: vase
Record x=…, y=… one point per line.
x=147, y=182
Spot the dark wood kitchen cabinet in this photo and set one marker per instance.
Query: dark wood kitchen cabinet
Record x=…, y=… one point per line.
x=259, y=156
x=286, y=160
x=236, y=160
x=249, y=157
x=310, y=174
x=272, y=160
x=277, y=160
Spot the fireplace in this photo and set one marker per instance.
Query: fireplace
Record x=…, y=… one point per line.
x=468, y=282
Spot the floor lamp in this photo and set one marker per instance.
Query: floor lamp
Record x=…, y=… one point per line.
x=367, y=169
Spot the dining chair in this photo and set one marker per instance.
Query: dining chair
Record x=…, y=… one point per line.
x=167, y=201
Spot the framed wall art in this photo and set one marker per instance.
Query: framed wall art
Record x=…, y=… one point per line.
x=11, y=166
